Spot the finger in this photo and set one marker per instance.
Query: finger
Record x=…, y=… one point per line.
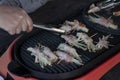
x=29, y=23
x=11, y=32
x=19, y=29
x=24, y=25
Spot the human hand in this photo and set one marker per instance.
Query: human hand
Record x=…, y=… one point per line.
x=14, y=20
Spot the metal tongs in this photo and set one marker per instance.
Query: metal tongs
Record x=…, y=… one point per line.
x=104, y=5
x=49, y=29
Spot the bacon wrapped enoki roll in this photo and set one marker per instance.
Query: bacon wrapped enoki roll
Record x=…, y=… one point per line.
x=73, y=41
x=68, y=49
x=49, y=54
x=68, y=58
x=84, y=38
x=93, y=9
x=74, y=26
x=104, y=22
x=103, y=42
x=39, y=57
x=67, y=28
x=70, y=39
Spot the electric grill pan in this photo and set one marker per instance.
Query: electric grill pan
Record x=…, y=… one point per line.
x=62, y=71
x=105, y=13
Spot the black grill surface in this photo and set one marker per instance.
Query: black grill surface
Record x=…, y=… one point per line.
x=63, y=70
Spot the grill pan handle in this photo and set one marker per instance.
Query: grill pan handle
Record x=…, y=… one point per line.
x=15, y=68
x=49, y=29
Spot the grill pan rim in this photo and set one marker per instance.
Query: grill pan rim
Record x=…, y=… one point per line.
x=75, y=73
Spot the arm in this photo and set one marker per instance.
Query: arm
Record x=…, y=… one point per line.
x=28, y=5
